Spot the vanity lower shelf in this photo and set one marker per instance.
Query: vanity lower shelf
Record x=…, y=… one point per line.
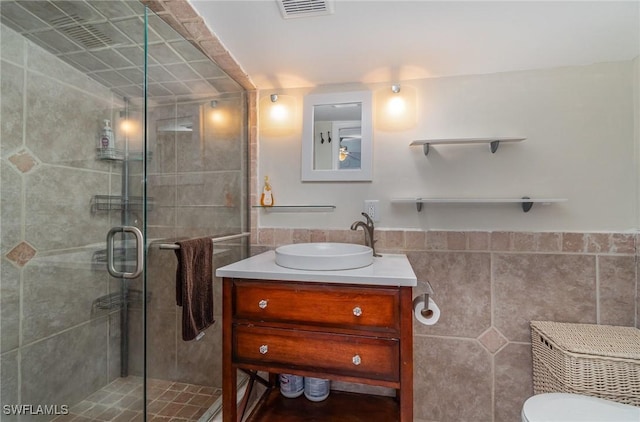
x=273, y=407
x=525, y=201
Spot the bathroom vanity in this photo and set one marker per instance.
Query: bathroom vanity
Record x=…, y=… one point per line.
x=346, y=325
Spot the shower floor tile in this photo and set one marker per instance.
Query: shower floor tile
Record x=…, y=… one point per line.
x=121, y=401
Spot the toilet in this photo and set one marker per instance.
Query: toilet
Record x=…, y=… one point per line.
x=566, y=407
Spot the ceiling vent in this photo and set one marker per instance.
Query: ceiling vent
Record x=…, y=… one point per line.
x=304, y=8
x=82, y=32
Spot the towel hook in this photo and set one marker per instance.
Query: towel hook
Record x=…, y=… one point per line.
x=321, y=138
x=329, y=136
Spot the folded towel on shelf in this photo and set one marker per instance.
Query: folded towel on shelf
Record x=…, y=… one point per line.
x=194, y=285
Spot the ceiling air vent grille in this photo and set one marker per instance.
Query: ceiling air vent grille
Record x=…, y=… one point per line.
x=82, y=32
x=304, y=8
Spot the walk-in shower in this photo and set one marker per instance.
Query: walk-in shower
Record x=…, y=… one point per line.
x=89, y=325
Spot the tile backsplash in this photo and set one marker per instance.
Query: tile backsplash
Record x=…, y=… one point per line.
x=475, y=363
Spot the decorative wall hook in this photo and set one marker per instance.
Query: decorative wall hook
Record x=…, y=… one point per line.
x=329, y=136
x=321, y=138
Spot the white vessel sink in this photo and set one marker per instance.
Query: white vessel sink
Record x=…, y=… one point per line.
x=324, y=256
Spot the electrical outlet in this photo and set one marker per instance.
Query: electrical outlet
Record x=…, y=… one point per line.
x=372, y=207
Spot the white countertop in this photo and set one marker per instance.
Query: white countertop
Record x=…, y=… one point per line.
x=387, y=270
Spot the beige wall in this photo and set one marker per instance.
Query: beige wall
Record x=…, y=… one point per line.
x=579, y=125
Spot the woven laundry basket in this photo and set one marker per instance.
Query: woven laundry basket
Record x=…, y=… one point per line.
x=595, y=360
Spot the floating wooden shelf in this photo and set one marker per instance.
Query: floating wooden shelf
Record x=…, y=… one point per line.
x=493, y=142
x=526, y=202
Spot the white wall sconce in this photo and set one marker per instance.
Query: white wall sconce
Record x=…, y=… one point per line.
x=277, y=114
x=396, y=108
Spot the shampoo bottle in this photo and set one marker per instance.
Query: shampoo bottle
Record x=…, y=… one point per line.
x=107, y=143
x=266, y=199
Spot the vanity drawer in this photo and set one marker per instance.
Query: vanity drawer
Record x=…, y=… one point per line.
x=366, y=357
x=318, y=304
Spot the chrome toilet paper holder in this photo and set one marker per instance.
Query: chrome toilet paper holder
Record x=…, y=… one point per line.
x=425, y=311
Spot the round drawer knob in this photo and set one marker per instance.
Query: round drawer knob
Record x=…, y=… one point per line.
x=356, y=360
x=357, y=311
x=264, y=349
x=262, y=304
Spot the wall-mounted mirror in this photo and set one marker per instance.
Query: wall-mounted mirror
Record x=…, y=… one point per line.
x=337, y=137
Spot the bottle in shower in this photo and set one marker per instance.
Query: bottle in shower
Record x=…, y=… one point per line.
x=107, y=143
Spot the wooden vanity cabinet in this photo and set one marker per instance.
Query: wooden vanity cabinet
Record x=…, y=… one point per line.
x=346, y=332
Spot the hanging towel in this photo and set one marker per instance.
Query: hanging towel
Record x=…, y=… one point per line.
x=194, y=285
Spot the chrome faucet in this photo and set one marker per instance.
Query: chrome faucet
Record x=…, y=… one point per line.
x=368, y=231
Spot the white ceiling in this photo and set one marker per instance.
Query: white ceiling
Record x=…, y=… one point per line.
x=387, y=41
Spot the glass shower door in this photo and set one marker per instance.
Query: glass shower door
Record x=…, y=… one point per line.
x=116, y=134
x=71, y=278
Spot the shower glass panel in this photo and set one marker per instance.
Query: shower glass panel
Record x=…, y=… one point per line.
x=88, y=321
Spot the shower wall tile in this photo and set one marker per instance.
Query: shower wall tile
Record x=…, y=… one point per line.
x=200, y=361
x=617, y=288
x=220, y=189
x=136, y=343
x=164, y=154
x=66, y=135
x=462, y=285
x=113, y=354
x=455, y=382
x=513, y=381
x=162, y=189
x=542, y=287
x=47, y=308
x=161, y=280
x=50, y=206
x=194, y=222
x=10, y=208
x=162, y=329
x=9, y=388
x=9, y=306
x=47, y=380
x=11, y=108
x=218, y=149
x=43, y=62
x=12, y=46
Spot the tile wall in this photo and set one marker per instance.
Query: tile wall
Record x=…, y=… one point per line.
x=475, y=363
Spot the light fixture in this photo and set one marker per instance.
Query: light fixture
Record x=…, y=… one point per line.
x=214, y=103
x=277, y=114
x=395, y=108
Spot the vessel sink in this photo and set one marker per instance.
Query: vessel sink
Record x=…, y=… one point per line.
x=324, y=256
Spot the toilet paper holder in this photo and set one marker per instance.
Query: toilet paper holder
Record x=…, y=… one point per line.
x=425, y=311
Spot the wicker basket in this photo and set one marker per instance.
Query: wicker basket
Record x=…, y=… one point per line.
x=595, y=360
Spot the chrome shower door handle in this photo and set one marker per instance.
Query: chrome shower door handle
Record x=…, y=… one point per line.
x=139, y=252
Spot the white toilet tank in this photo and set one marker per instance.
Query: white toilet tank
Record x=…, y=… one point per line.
x=565, y=407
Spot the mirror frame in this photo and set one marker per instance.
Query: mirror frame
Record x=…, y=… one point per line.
x=365, y=172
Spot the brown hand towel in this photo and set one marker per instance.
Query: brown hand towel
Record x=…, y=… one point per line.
x=194, y=285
